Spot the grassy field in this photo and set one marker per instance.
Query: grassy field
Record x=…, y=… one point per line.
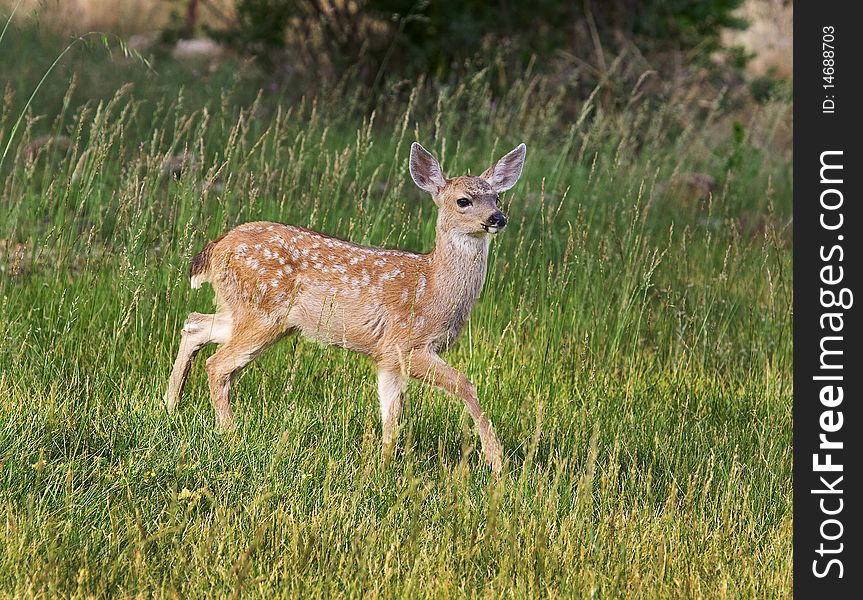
x=632, y=347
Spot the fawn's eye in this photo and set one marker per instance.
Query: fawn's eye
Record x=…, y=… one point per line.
x=463, y=202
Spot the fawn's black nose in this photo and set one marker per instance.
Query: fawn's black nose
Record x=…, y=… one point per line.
x=497, y=220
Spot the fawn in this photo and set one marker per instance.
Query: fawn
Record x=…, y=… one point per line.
x=400, y=308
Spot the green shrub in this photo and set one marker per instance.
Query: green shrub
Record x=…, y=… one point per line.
x=416, y=36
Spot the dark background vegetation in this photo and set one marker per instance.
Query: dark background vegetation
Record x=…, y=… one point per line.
x=622, y=51
x=657, y=44
x=384, y=38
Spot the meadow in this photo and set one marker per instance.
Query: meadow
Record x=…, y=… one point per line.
x=632, y=345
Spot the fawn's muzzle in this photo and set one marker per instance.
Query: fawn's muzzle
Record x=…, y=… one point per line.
x=497, y=220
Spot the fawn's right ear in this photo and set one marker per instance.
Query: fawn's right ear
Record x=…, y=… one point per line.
x=425, y=170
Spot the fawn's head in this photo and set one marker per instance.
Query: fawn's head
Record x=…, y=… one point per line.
x=467, y=204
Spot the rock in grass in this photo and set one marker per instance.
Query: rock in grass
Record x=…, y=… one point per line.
x=197, y=50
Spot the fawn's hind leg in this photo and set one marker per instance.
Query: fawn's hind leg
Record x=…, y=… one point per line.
x=198, y=330
x=246, y=343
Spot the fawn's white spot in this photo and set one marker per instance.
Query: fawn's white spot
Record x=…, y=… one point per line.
x=421, y=286
x=380, y=262
x=404, y=296
x=391, y=275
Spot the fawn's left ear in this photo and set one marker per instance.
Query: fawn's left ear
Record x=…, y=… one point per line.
x=504, y=174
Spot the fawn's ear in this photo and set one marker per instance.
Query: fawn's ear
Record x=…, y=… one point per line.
x=504, y=174
x=425, y=170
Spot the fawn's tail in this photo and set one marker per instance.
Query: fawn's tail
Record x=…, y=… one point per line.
x=199, y=268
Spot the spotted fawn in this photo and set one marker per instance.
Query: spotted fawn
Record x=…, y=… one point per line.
x=400, y=308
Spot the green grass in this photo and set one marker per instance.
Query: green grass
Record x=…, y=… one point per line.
x=632, y=347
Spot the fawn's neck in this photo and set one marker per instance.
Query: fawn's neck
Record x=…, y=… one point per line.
x=459, y=255
x=458, y=269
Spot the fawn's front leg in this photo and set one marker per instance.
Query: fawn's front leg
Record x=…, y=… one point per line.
x=430, y=368
x=391, y=388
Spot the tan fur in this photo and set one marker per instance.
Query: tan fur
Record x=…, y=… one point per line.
x=400, y=308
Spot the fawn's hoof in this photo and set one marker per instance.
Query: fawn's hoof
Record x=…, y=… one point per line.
x=491, y=447
x=225, y=427
x=494, y=456
x=170, y=401
x=495, y=463
x=387, y=453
